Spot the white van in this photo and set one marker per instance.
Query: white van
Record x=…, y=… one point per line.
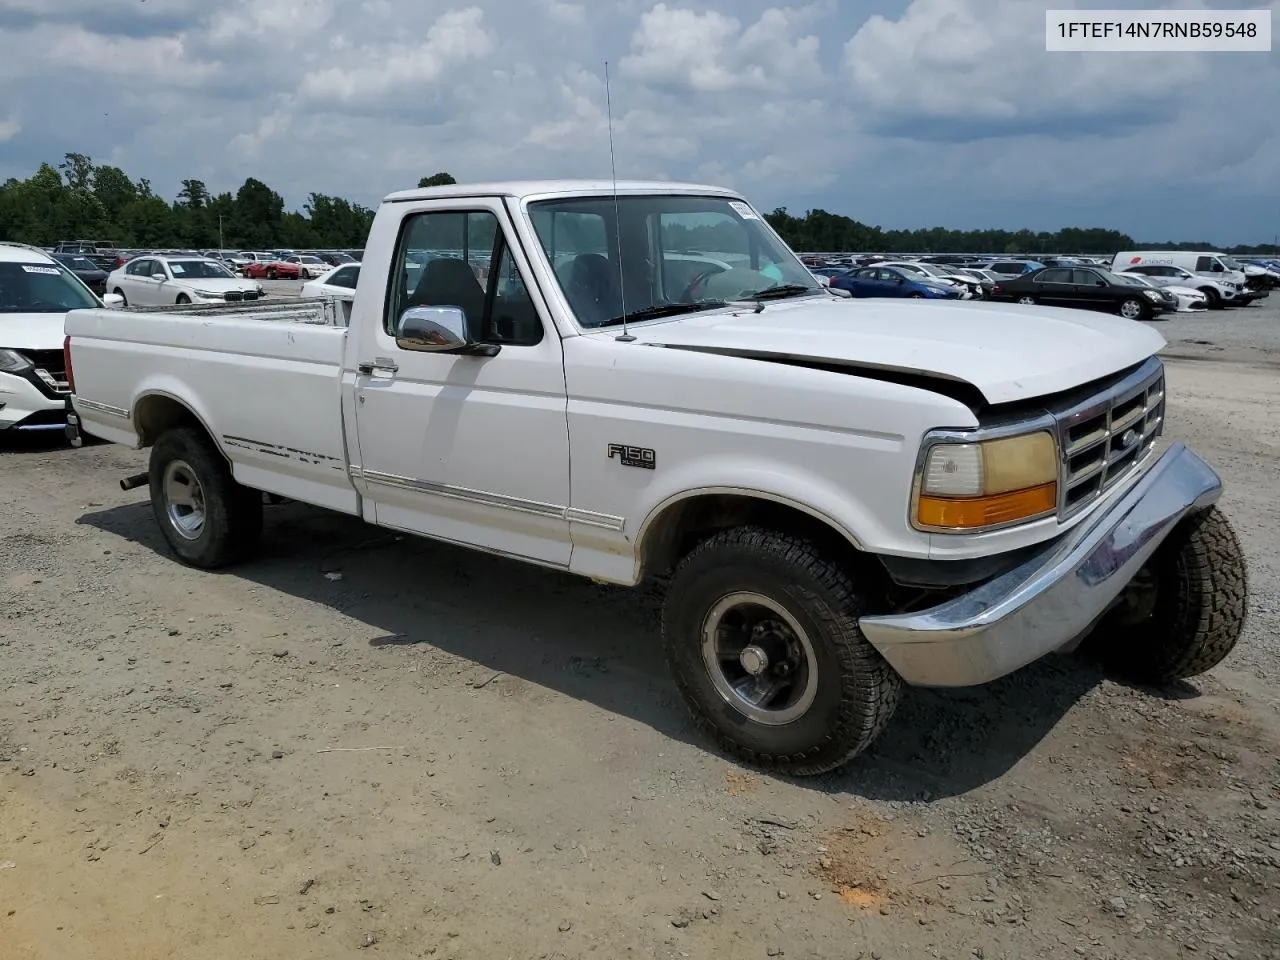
x=1207, y=263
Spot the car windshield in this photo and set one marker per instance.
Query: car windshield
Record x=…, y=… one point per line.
x=312, y=260
x=77, y=263
x=678, y=254
x=199, y=270
x=1128, y=280
x=41, y=288
x=930, y=269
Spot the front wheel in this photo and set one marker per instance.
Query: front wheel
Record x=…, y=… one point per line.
x=1132, y=309
x=207, y=518
x=1214, y=298
x=917, y=296
x=1185, y=609
x=182, y=298
x=271, y=274
x=761, y=633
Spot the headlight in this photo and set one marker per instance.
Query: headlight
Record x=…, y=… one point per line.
x=11, y=361
x=210, y=294
x=1152, y=294
x=966, y=487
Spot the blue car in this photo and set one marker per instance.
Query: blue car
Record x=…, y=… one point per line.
x=892, y=282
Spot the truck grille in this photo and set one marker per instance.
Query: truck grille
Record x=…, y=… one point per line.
x=1106, y=436
x=51, y=369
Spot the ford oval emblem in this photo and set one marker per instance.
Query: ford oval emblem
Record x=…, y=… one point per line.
x=1129, y=438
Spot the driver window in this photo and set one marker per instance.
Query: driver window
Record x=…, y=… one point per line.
x=461, y=259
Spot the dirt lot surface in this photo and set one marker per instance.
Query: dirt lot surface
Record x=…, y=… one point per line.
x=361, y=745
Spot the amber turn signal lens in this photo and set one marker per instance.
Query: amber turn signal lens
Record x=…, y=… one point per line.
x=966, y=513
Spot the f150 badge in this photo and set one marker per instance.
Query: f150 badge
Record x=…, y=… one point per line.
x=629, y=456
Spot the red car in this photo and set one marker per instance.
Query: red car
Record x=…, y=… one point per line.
x=272, y=270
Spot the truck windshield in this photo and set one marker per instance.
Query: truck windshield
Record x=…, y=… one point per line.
x=663, y=255
x=41, y=288
x=1231, y=263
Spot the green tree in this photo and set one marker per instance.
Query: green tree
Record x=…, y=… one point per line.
x=441, y=179
x=78, y=169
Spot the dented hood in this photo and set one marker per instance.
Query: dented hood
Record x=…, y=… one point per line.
x=1006, y=351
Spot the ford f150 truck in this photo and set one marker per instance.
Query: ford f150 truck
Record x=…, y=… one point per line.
x=641, y=381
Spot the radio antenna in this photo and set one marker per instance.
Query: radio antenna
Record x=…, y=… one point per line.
x=617, y=221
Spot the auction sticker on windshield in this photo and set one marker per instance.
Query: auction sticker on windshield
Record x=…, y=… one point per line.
x=1119, y=31
x=50, y=270
x=744, y=211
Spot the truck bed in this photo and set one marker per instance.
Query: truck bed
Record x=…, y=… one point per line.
x=263, y=377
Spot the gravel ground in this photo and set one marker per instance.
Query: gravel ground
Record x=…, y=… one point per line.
x=361, y=742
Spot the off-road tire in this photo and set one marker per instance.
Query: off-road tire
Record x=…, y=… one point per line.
x=1202, y=590
x=233, y=513
x=857, y=691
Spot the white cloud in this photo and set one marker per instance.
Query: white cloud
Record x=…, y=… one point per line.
x=375, y=70
x=954, y=59
x=711, y=52
x=898, y=112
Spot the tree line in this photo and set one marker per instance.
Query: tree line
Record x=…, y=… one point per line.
x=81, y=200
x=826, y=232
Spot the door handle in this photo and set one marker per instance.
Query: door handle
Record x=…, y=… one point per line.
x=369, y=368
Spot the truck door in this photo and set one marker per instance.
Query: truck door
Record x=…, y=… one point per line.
x=468, y=448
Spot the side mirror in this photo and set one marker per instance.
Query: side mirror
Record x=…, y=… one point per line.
x=840, y=292
x=158, y=276
x=1099, y=283
x=112, y=300
x=900, y=280
x=439, y=330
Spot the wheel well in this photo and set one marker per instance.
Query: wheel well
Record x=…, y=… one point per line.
x=686, y=523
x=155, y=414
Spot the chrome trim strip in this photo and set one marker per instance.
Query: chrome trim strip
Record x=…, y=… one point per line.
x=1054, y=596
x=106, y=408
x=283, y=452
x=502, y=501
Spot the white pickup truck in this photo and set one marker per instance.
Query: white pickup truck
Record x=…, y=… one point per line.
x=642, y=381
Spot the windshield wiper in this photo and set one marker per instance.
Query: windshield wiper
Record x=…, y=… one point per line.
x=664, y=310
x=780, y=290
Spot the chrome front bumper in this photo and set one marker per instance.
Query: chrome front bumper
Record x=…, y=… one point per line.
x=1052, y=598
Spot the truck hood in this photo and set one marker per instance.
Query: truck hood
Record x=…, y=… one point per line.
x=31, y=331
x=1006, y=351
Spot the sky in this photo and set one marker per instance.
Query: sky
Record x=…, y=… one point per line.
x=898, y=113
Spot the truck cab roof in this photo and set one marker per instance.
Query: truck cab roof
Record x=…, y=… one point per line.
x=523, y=189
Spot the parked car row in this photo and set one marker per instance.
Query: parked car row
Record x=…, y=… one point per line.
x=1138, y=285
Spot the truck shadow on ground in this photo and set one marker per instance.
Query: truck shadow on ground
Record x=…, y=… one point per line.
x=600, y=644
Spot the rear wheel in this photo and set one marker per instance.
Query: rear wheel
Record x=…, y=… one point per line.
x=1028, y=301
x=207, y=518
x=917, y=296
x=1184, y=611
x=761, y=633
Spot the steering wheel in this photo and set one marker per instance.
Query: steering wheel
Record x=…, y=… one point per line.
x=691, y=291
